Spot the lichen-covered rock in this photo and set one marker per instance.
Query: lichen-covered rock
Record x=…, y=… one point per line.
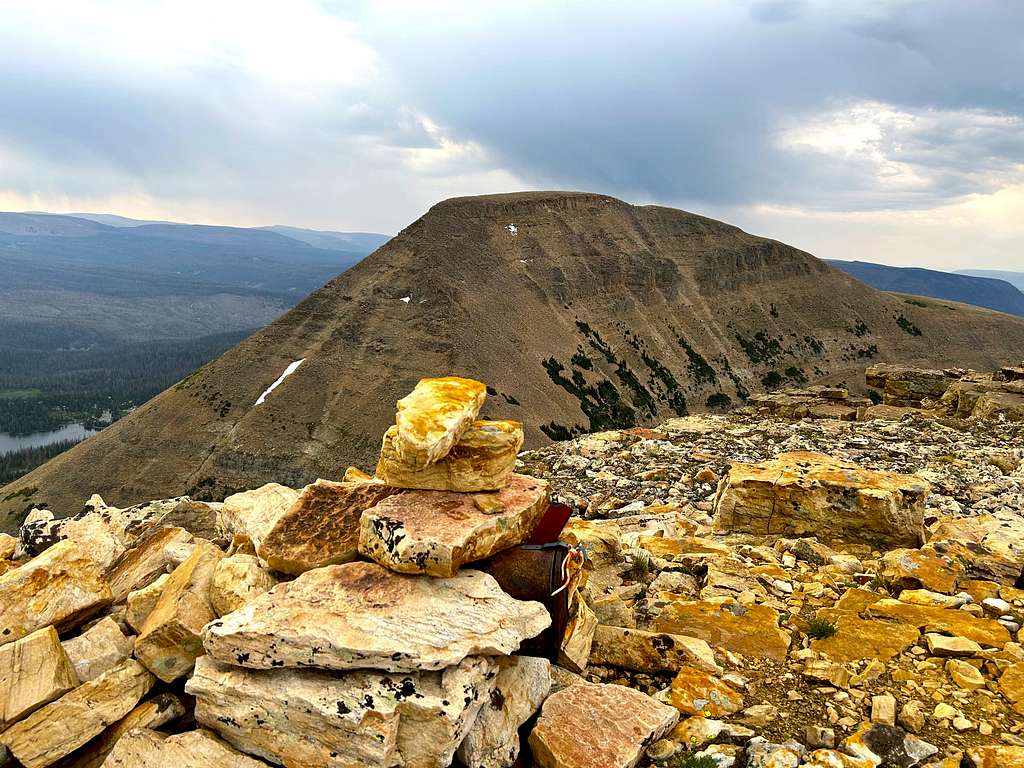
x=321, y=527
x=66, y=724
x=437, y=532
x=650, y=652
x=943, y=620
x=482, y=460
x=920, y=568
x=141, y=748
x=695, y=692
x=996, y=756
x=522, y=684
x=887, y=745
x=97, y=650
x=590, y=725
x=34, y=671
x=361, y=615
x=749, y=630
x=236, y=581
x=805, y=493
x=361, y=718
x=170, y=641
x=432, y=418
x=62, y=586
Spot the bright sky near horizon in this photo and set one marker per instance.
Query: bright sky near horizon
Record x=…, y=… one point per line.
x=882, y=130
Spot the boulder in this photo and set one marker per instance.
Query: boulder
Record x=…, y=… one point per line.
x=945, y=646
x=201, y=519
x=482, y=460
x=152, y=557
x=321, y=527
x=588, y=725
x=34, y=671
x=153, y=713
x=695, y=692
x=91, y=528
x=749, y=630
x=62, y=586
x=253, y=513
x=858, y=638
x=436, y=532
x=364, y=718
x=522, y=684
x=804, y=493
x=996, y=756
x=1011, y=685
x=650, y=652
x=170, y=641
x=66, y=724
x=236, y=581
x=361, y=615
x=141, y=602
x=8, y=544
x=920, y=568
x=943, y=620
x=991, y=546
x=432, y=418
x=141, y=747
x=887, y=745
x=97, y=650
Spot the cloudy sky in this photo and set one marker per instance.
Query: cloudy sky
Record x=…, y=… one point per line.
x=884, y=130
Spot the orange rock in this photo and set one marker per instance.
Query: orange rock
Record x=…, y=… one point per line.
x=748, y=630
x=698, y=693
x=943, y=620
x=432, y=417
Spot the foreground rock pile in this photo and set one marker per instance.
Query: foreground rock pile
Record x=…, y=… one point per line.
x=763, y=591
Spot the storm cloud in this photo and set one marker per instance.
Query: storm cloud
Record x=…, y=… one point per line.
x=786, y=115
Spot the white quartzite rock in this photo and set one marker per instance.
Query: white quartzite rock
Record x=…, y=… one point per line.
x=362, y=718
x=522, y=684
x=34, y=671
x=141, y=748
x=360, y=615
x=237, y=580
x=100, y=648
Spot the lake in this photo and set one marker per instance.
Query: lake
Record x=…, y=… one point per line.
x=74, y=431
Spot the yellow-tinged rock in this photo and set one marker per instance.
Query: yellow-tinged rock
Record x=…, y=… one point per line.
x=141, y=748
x=100, y=648
x=857, y=638
x=650, y=652
x=698, y=693
x=66, y=724
x=33, y=672
x=253, y=513
x=161, y=709
x=237, y=580
x=482, y=460
x=62, y=586
x=141, y=602
x=170, y=641
x=749, y=630
x=916, y=568
x=804, y=493
x=943, y=620
x=1011, y=684
x=321, y=527
x=7, y=546
x=356, y=475
x=151, y=558
x=433, y=417
x=574, y=653
x=996, y=756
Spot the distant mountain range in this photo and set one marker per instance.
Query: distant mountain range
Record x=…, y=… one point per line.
x=983, y=288
x=580, y=311
x=1013, y=278
x=99, y=312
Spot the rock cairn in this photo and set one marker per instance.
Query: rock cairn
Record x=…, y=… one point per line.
x=341, y=624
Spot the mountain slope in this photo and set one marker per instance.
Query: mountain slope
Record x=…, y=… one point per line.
x=980, y=291
x=1015, y=279
x=582, y=311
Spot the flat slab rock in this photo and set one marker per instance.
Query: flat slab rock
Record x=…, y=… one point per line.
x=34, y=671
x=362, y=718
x=62, y=586
x=361, y=615
x=321, y=527
x=804, y=493
x=433, y=417
x=482, y=460
x=749, y=630
x=436, y=532
x=142, y=747
x=598, y=726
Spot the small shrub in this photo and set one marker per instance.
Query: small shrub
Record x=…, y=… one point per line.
x=819, y=629
x=639, y=565
x=690, y=760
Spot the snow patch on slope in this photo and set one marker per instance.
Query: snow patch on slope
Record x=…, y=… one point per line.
x=287, y=372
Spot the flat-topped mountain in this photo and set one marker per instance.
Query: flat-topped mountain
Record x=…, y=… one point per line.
x=582, y=311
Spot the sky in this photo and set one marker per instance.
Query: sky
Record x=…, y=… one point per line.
x=882, y=130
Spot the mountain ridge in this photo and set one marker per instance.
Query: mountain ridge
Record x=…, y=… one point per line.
x=583, y=311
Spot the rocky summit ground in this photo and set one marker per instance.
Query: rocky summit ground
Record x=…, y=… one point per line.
x=646, y=499
x=815, y=580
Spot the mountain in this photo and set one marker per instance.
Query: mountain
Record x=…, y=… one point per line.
x=344, y=241
x=582, y=311
x=982, y=291
x=1013, y=278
